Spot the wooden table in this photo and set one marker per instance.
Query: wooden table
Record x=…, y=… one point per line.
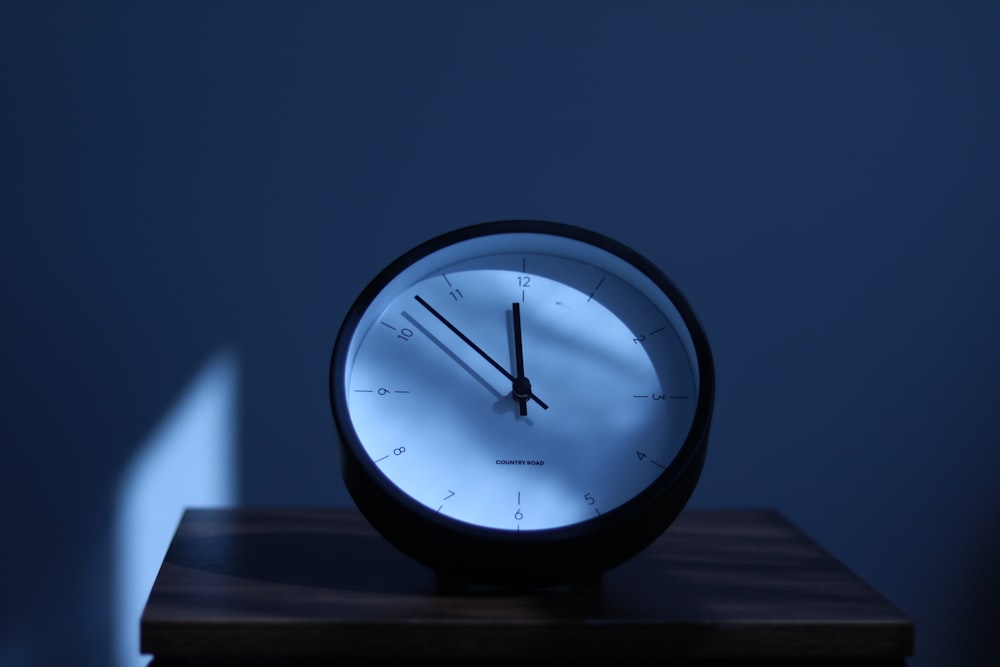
x=319, y=585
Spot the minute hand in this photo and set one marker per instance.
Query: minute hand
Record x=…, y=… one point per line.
x=475, y=347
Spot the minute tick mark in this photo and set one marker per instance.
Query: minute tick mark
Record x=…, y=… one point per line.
x=596, y=287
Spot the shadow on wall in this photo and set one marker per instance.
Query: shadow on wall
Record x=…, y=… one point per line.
x=981, y=618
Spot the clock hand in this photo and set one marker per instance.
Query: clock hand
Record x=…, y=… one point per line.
x=478, y=349
x=522, y=387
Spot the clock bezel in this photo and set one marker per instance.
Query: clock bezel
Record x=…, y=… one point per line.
x=478, y=554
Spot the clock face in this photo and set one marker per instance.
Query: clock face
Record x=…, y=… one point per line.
x=447, y=413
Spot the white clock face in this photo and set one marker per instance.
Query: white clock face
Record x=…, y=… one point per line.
x=612, y=369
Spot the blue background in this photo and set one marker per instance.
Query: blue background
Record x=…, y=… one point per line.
x=820, y=179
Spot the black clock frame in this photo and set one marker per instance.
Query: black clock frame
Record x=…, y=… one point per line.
x=482, y=555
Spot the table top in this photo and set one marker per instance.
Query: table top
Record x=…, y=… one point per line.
x=319, y=582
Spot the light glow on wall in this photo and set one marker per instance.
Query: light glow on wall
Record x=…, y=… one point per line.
x=187, y=461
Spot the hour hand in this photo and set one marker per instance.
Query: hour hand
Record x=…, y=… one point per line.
x=493, y=362
x=522, y=386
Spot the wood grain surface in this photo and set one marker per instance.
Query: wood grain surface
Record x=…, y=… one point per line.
x=320, y=583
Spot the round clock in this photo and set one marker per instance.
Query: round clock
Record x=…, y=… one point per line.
x=521, y=402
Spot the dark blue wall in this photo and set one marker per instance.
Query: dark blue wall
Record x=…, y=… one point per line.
x=821, y=179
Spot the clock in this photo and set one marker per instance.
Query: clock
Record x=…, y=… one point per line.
x=521, y=403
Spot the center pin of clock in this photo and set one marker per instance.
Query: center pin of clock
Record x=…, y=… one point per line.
x=522, y=388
